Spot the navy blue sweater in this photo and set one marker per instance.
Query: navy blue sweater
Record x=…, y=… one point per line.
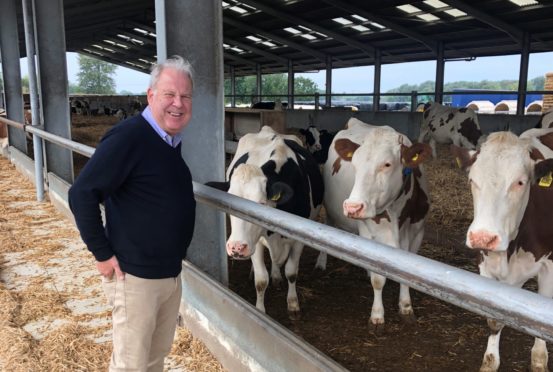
x=146, y=188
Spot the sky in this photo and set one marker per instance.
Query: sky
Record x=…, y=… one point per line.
x=360, y=79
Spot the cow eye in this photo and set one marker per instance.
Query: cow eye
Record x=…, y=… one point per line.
x=387, y=165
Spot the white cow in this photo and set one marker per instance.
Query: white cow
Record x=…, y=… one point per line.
x=511, y=183
x=443, y=124
x=273, y=170
x=375, y=186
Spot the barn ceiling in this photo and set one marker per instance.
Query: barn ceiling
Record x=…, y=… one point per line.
x=270, y=33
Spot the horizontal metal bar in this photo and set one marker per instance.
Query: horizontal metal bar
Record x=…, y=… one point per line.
x=520, y=309
x=67, y=143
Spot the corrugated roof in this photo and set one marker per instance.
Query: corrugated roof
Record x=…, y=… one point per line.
x=309, y=32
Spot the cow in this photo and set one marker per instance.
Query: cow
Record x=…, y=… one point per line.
x=511, y=184
x=80, y=106
x=375, y=187
x=269, y=105
x=316, y=141
x=135, y=107
x=443, y=124
x=120, y=114
x=275, y=170
x=546, y=119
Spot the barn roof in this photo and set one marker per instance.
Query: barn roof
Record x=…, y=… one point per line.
x=349, y=33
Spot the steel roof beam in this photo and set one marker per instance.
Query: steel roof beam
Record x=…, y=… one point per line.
x=282, y=40
x=515, y=33
x=255, y=50
x=429, y=42
x=299, y=21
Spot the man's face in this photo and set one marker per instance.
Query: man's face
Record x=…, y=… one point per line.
x=171, y=101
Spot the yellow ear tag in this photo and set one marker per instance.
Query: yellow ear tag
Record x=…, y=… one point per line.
x=275, y=197
x=415, y=158
x=349, y=154
x=458, y=162
x=546, y=180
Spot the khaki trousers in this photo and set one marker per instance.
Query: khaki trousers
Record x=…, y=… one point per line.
x=144, y=318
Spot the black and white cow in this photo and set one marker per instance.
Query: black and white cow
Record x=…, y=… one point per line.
x=443, y=124
x=316, y=141
x=375, y=187
x=270, y=105
x=512, y=190
x=275, y=170
x=80, y=106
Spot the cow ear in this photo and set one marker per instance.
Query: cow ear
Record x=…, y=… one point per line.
x=413, y=156
x=280, y=193
x=223, y=186
x=543, y=173
x=303, y=131
x=464, y=157
x=345, y=148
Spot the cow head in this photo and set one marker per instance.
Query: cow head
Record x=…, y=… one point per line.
x=249, y=182
x=312, y=138
x=380, y=161
x=500, y=176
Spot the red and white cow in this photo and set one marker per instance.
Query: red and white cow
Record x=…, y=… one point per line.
x=546, y=119
x=375, y=186
x=274, y=170
x=511, y=184
x=443, y=124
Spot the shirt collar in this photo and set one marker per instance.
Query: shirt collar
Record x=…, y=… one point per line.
x=170, y=140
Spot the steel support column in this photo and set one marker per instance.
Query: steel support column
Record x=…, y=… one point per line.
x=11, y=71
x=203, y=144
x=328, y=99
x=377, y=79
x=440, y=68
x=33, y=96
x=258, y=82
x=523, y=74
x=232, y=87
x=291, y=78
x=161, y=37
x=52, y=66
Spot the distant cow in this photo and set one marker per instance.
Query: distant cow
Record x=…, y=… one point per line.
x=375, y=186
x=546, y=119
x=512, y=193
x=274, y=170
x=269, y=105
x=316, y=141
x=80, y=107
x=443, y=124
x=135, y=107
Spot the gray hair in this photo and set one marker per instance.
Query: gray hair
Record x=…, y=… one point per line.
x=175, y=62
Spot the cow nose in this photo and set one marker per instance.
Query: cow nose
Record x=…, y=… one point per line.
x=318, y=147
x=237, y=249
x=353, y=209
x=483, y=240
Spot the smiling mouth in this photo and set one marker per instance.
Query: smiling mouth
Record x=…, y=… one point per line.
x=175, y=114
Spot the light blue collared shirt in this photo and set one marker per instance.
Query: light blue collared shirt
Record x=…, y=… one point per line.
x=170, y=140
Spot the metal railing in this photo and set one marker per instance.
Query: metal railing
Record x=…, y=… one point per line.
x=520, y=309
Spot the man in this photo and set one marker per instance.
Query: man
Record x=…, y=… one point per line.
x=138, y=173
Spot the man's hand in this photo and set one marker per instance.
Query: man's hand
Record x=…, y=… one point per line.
x=109, y=267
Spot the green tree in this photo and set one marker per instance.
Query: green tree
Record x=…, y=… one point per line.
x=96, y=76
x=273, y=84
x=25, y=84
